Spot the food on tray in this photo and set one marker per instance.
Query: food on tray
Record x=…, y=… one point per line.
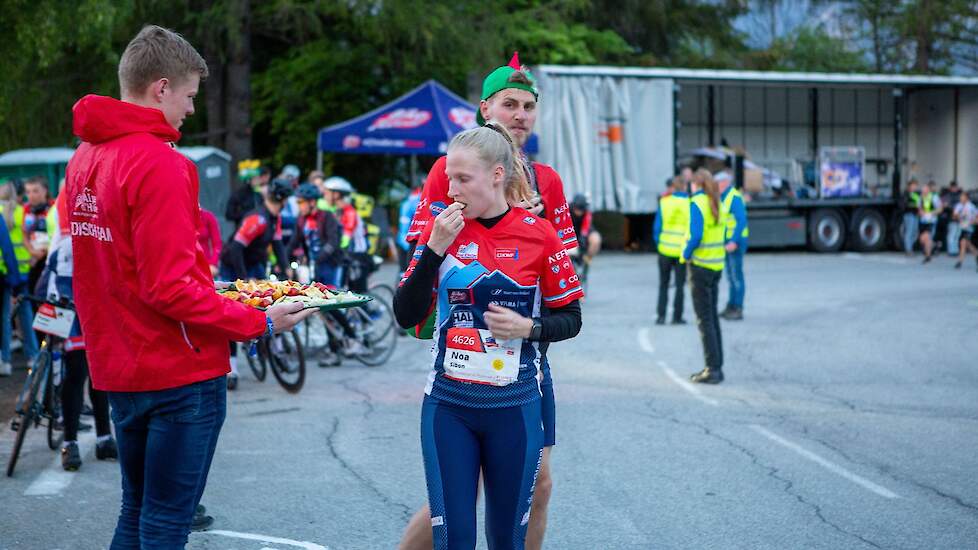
x=262, y=294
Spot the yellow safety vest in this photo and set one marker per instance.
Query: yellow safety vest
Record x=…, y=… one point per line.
x=674, y=212
x=710, y=253
x=928, y=205
x=17, y=239
x=731, y=219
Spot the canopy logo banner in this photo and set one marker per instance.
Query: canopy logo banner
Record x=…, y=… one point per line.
x=420, y=122
x=401, y=119
x=462, y=117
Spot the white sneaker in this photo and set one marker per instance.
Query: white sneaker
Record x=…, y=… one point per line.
x=5, y=368
x=353, y=348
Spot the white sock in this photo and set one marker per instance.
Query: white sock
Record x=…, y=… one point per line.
x=103, y=438
x=234, y=366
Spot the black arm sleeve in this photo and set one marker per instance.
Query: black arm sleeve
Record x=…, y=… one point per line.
x=234, y=256
x=413, y=298
x=281, y=255
x=562, y=323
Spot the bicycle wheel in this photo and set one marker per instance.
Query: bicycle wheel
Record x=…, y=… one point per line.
x=286, y=359
x=315, y=335
x=258, y=364
x=382, y=292
x=52, y=410
x=29, y=409
x=376, y=332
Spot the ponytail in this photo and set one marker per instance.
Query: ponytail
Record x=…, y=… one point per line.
x=705, y=180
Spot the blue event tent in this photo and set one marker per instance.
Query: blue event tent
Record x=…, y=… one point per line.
x=420, y=122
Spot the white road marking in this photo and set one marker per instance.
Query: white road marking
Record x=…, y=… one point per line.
x=264, y=538
x=830, y=466
x=690, y=388
x=876, y=258
x=645, y=340
x=54, y=480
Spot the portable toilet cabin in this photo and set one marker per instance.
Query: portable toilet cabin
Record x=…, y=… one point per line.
x=49, y=162
x=214, y=171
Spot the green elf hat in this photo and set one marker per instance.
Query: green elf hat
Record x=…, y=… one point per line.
x=498, y=80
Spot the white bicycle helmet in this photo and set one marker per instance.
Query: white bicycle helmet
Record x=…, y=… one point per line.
x=336, y=183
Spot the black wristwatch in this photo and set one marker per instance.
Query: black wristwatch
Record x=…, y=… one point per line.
x=536, y=330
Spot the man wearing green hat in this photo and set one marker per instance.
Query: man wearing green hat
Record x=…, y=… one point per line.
x=509, y=96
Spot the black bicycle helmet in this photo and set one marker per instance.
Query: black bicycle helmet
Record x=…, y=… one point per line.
x=579, y=202
x=279, y=190
x=308, y=191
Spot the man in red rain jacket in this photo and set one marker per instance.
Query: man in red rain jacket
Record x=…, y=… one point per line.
x=157, y=334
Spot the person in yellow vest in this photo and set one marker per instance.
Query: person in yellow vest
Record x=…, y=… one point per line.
x=928, y=211
x=24, y=312
x=705, y=250
x=32, y=219
x=669, y=233
x=735, y=210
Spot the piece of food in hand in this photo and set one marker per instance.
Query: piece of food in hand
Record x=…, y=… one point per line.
x=463, y=205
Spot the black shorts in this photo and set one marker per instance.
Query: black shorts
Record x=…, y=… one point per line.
x=967, y=233
x=927, y=227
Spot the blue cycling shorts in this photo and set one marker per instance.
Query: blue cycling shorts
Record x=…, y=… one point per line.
x=506, y=444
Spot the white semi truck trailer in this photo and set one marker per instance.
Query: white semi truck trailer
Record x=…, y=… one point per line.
x=617, y=134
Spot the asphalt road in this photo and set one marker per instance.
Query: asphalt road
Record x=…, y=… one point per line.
x=849, y=419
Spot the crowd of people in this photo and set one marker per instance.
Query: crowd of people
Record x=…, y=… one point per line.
x=485, y=245
x=939, y=219
x=487, y=250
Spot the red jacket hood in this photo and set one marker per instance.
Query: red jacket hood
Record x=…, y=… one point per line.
x=98, y=119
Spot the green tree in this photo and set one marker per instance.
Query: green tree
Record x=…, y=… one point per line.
x=810, y=49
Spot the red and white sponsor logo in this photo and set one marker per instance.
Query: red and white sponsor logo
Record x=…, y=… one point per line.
x=86, y=204
x=351, y=141
x=401, y=119
x=507, y=253
x=557, y=257
x=462, y=117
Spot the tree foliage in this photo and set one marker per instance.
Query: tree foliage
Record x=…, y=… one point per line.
x=312, y=63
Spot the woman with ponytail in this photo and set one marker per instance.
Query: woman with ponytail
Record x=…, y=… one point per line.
x=705, y=250
x=486, y=268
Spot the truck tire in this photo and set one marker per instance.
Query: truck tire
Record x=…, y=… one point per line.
x=827, y=230
x=868, y=230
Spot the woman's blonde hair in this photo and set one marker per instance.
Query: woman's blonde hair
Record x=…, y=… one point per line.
x=705, y=180
x=494, y=145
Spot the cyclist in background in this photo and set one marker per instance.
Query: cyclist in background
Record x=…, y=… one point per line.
x=246, y=254
x=588, y=238
x=318, y=234
x=354, y=238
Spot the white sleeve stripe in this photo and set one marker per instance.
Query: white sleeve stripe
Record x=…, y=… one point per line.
x=564, y=295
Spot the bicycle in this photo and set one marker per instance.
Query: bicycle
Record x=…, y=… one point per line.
x=40, y=398
x=282, y=354
x=373, y=325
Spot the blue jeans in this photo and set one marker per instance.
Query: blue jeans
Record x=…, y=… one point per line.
x=734, y=269
x=910, y=227
x=26, y=318
x=329, y=274
x=166, y=443
x=953, y=238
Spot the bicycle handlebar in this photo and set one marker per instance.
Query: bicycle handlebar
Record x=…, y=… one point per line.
x=62, y=302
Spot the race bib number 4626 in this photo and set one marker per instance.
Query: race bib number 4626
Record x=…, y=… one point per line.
x=474, y=355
